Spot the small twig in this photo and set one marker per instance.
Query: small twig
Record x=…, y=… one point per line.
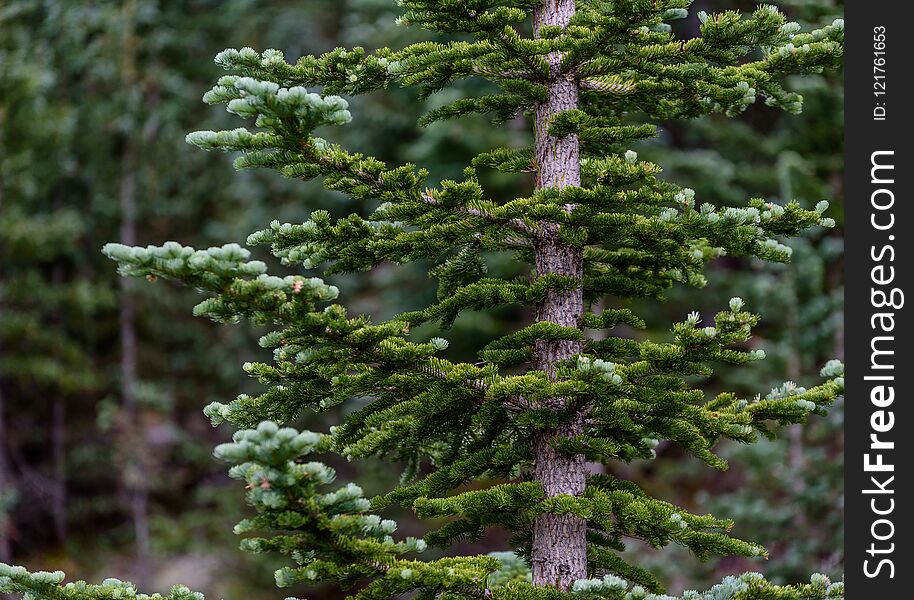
x=515, y=224
x=515, y=402
x=492, y=72
x=602, y=86
x=476, y=384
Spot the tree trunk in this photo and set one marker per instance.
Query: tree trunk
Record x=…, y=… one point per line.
x=559, y=553
x=6, y=485
x=131, y=437
x=6, y=476
x=796, y=445
x=58, y=491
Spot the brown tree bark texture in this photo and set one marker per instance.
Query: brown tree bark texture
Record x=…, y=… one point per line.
x=559, y=553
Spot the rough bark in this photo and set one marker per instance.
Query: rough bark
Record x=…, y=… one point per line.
x=559, y=552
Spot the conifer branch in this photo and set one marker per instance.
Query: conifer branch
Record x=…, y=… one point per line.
x=515, y=224
x=515, y=403
x=604, y=86
x=487, y=71
x=536, y=70
x=599, y=223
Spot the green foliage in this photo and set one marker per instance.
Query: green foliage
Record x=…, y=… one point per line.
x=640, y=235
x=789, y=491
x=84, y=82
x=47, y=586
x=333, y=536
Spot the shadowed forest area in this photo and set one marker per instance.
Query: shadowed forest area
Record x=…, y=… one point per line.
x=106, y=464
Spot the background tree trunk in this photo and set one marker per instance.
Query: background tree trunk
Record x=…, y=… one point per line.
x=131, y=436
x=6, y=483
x=58, y=448
x=131, y=440
x=559, y=553
x=58, y=491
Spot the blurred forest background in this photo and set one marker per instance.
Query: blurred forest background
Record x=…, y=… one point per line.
x=105, y=455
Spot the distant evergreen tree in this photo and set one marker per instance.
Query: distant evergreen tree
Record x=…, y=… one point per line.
x=545, y=400
x=95, y=100
x=46, y=300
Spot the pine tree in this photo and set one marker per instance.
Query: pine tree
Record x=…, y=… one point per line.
x=46, y=306
x=81, y=83
x=541, y=403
